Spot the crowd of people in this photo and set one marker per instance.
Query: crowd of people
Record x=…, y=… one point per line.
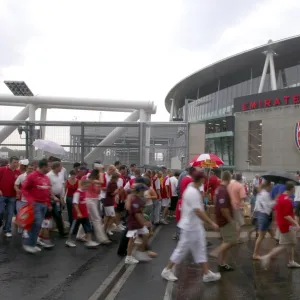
x=101, y=201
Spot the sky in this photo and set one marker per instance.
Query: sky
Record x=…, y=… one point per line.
x=133, y=49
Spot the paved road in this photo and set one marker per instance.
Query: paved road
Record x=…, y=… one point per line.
x=64, y=274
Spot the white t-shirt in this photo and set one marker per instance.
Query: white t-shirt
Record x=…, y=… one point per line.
x=173, y=182
x=191, y=200
x=264, y=203
x=21, y=178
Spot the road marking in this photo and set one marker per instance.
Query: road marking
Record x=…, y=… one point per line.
x=169, y=290
x=114, y=276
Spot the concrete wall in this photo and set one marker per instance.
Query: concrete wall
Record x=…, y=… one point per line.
x=196, y=139
x=279, y=151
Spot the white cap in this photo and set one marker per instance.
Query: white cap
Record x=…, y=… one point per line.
x=24, y=162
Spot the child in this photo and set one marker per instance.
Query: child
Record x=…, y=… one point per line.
x=137, y=225
x=81, y=216
x=177, y=215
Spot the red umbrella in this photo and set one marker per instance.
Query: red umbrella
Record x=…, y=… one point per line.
x=207, y=160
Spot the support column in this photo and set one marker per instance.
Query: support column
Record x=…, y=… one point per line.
x=264, y=73
x=272, y=72
x=43, y=118
x=31, y=117
x=171, y=110
x=145, y=118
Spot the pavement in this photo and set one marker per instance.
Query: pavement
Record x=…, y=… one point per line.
x=84, y=274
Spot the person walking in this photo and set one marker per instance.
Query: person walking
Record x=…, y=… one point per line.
x=37, y=191
x=287, y=225
x=226, y=223
x=70, y=188
x=192, y=233
x=8, y=177
x=263, y=208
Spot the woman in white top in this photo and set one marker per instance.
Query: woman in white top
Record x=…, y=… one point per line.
x=263, y=209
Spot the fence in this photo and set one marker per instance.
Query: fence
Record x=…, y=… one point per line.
x=141, y=143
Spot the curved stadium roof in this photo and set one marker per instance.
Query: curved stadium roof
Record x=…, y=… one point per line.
x=233, y=70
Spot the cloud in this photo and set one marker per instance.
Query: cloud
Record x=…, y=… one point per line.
x=128, y=49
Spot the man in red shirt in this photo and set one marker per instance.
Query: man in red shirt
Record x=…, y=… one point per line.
x=37, y=191
x=186, y=181
x=287, y=225
x=8, y=177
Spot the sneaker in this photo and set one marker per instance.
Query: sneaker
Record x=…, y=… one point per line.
x=38, y=249
x=168, y=275
x=106, y=242
x=265, y=261
x=210, y=276
x=30, y=249
x=40, y=242
x=142, y=256
x=175, y=237
x=91, y=244
x=225, y=268
x=116, y=229
x=81, y=239
x=109, y=232
x=164, y=222
x=121, y=227
x=25, y=234
x=130, y=260
x=70, y=244
x=48, y=244
x=8, y=234
x=293, y=264
x=138, y=241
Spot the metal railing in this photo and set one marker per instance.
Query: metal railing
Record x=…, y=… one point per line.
x=142, y=143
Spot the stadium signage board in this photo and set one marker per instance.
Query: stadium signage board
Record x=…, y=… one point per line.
x=283, y=97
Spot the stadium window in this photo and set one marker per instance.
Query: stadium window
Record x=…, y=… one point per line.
x=255, y=142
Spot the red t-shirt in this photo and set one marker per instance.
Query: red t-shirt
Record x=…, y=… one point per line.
x=71, y=188
x=184, y=183
x=222, y=201
x=8, y=178
x=136, y=206
x=36, y=188
x=284, y=208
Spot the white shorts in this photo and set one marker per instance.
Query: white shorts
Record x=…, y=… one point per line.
x=193, y=241
x=165, y=202
x=109, y=211
x=136, y=232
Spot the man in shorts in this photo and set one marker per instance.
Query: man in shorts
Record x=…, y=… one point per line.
x=237, y=195
x=225, y=221
x=287, y=225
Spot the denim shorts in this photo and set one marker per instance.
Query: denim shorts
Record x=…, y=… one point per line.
x=263, y=221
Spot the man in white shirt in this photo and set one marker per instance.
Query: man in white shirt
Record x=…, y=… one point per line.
x=192, y=232
x=173, y=191
x=57, y=191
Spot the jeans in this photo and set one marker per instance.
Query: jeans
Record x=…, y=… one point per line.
x=156, y=211
x=69, y=201
x=40, y=210
x=56, y=213
x=7, y=204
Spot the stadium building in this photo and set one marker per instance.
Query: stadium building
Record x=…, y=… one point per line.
x=249, y=106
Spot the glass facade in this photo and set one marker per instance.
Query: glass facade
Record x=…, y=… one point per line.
x=219, y=138
x=254, y=142
x=220, y=103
